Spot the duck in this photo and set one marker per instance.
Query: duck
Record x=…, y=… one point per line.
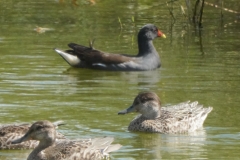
x=9, y=132
x=87, y=57
x=185, y=117
x=50, y=149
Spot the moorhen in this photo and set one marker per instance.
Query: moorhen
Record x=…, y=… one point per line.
x=88, y=57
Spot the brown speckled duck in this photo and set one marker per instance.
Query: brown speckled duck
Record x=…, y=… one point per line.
x=181, y=118
x=50, y=149
x=88, y=57
x=9, y=132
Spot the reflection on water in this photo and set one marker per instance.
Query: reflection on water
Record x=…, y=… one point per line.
x=144, y=79
x=161, y=145
x=36, y=83
x=14, y=155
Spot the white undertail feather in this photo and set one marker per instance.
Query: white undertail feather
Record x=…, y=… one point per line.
x=69, y=58
x=99, y=64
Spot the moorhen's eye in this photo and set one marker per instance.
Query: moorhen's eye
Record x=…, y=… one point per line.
x=153, y=29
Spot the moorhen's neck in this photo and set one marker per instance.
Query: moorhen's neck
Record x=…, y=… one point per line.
x=36, y=153
x=145, y=46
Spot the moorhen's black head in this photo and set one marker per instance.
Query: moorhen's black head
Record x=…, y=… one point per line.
x=150, y=32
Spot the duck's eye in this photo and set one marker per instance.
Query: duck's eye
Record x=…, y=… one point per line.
x=39, y=127
x=136, y=103
x=146, y=100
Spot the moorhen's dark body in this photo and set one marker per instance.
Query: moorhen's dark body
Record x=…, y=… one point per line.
x=146, y=59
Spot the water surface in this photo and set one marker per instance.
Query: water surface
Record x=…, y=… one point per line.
x=36, y=83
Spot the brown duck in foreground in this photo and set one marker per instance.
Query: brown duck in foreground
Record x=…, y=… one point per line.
x=88, y=57
x=181, y=118
x=9, y=132
x=50, y=149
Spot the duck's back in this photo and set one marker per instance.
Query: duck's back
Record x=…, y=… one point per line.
x=14, y=131
x=87, y=149
x=182, y=118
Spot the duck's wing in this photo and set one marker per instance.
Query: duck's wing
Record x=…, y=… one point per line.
x=185, y=117
x=88, y=149
x=187, y=109
x=95, y=57
x=103, y=145
x=13, y=128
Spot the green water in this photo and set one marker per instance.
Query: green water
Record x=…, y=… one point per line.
x=36, y=83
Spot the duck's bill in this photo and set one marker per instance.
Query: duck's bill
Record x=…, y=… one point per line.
x=20, y=140
x=128, y=110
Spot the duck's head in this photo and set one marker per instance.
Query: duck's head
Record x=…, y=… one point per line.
x=150, y=32
x=43, y=131
x=146, y=103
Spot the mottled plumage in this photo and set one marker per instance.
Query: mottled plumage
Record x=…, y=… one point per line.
x=181, y=118
x=49, y=149
x=9, y=132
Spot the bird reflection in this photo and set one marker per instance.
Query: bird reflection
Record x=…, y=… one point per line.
x=119, y=80
x=163, y=144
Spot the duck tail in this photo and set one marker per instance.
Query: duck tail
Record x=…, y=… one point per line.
x=58, y=123
x=204, y=114
x=112, y=148
x=104, y=145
